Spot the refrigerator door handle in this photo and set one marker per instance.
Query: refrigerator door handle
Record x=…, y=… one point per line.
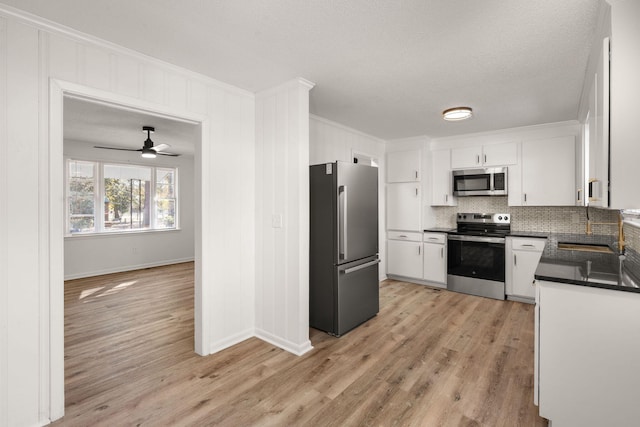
x=361, y=266
x=343, y=221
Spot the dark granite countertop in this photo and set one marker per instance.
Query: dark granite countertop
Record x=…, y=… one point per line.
x=600, y=270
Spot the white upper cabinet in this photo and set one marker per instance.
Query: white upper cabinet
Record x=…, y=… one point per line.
x=403, y=166
x=624, y=90
x=598, y=125
x=548, y=172
x=487, y=155
x=404, y=206
x=442, y=188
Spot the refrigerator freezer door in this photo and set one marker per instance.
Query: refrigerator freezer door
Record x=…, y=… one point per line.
x=358, y=293
x=357, y=192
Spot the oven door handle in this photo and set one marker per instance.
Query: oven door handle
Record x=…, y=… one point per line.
x=476, y=238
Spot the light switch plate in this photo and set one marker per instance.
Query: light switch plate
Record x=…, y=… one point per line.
x=276, y=220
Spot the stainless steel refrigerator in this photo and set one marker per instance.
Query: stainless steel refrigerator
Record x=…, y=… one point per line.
x=343, y=267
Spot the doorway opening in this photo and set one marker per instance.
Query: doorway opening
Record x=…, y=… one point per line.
x=60, y=93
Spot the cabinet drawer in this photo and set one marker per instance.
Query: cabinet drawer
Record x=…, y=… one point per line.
x=404, y=235
x=523, y=244
x=434, y=238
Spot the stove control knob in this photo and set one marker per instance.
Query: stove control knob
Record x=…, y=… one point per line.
x=500, y=218
x=506, y=218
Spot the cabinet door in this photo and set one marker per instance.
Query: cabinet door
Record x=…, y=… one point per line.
x=466, y=157
x=524, y=264
x=442, y=189
x=435, y=263
x=403, y=166
x=500, y=154
x=404, y=258
x=548, y=172
x=599, y=132
x=403, y=206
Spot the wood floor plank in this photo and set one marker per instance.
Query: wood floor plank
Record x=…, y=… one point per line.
x=429, y=358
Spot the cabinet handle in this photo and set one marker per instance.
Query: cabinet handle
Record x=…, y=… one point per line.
x=446, y=198
x=416, y=192
x=579, y=193
x=432, y=238
x=515, y=261
x=485, y=158
x=416, y=174
x=525, y=197
x=441, y=252
x=419, y=250
x=477, y=159
x=403, y=236
x=527, y=246
x=533, y=283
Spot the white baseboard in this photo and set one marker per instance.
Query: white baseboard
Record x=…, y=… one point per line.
x=122, y=268
x=231, y=341
x=297, y=349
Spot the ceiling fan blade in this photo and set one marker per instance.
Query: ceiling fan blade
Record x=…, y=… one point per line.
x=116, y=148
x=160, y=147
x=162, y=153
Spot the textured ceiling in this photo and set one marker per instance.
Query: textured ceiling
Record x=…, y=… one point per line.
x=385, y=67
x=104, y=125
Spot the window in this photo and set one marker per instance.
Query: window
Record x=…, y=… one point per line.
x=108, y=197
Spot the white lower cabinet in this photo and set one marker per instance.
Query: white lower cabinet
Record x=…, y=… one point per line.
x=522, y=258
x=587, y=351
x=404, y=254
x=435, y=257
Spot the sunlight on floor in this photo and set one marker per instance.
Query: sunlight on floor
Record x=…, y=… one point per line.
x=115, y=289
x=89, y=292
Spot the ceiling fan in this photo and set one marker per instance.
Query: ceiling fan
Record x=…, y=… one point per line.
x=148, y=150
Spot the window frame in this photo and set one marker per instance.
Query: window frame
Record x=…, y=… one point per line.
x=99, y=194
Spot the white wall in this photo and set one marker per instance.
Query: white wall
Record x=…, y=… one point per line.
x=330, y=142
x=32, y=53
x=282, y=216
x=91, y=255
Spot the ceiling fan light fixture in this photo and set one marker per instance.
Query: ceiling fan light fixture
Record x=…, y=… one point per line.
x=457, y=113
x=148, y=153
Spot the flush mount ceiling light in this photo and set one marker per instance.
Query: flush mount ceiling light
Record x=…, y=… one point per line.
x=457, y=113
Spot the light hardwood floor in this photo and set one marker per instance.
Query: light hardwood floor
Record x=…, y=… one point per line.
x=430, y=358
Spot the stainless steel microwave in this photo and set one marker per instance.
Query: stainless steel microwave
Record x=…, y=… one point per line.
x=480, y=182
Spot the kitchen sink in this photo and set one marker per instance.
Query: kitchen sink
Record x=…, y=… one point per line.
x=585, y=247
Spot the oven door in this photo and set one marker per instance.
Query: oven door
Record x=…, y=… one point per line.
x=476, y=257
x=475, y=265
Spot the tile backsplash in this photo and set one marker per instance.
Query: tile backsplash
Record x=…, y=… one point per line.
x=632, y=237
x=554, y=219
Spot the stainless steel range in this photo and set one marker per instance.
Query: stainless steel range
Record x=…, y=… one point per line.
x=475, y=262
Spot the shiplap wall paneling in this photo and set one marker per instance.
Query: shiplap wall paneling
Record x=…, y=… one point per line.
x=282, y=176
x=34, y=53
